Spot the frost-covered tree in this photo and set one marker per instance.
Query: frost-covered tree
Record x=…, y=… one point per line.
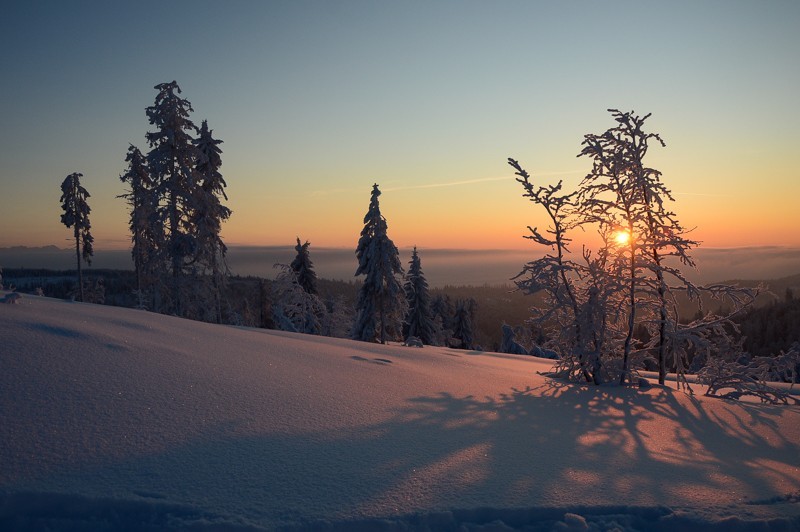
x=622, y=187
x=294, y=309
x=419, y=320
x=76, y=215
x=172, y=160
x=143, y=205
x=304, y=268
x=593, y=306
x=381, y=303
x=207, y=214
x=570, y=305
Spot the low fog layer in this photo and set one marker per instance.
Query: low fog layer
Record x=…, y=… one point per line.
x=441, y=266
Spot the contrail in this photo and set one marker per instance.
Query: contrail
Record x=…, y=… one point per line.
x=701, y=194
x=479, y=180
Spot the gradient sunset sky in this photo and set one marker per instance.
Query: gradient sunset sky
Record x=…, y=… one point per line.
x=316, y=101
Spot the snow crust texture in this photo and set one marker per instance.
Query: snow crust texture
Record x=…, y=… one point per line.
x=116, y=418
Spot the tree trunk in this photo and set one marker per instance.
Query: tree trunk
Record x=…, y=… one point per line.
x=662, y=326
x=383, y=323
x=173, y=237
x=632, y=314
x=78, y=257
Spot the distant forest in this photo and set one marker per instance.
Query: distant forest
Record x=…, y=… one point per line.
x=772, y=325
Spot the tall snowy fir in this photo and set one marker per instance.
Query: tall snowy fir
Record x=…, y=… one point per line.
x=143, y=202
x=419, y=319
x=304, y=268
x=381, y=301
x=76, y=215
x=208, y=214
x=171, y=159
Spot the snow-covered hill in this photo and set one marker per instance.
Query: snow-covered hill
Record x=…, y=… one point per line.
x=115, y=418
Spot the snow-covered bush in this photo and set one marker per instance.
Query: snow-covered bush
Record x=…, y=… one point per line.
x=509, y=342
x=294, y=309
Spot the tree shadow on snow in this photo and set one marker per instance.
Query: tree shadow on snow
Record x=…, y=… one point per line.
x=557, y=445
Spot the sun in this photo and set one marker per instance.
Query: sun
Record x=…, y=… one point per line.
x=622, y=237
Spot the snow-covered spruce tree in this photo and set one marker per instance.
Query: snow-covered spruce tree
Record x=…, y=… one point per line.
x=207, y=215
x=462, y=322
x=143, y=203
x=171, y=160
x=621, y=187
x=304, y=268
x=419, y=321
x=76, y=215
x=381, y=303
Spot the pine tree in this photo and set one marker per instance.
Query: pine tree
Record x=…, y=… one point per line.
x=208, y=214
x=76, y=215
x=462, y=322
x=172, y=159
x=442, y=310
x=380, y=300
x=419, y=321
x=304, y=268
x=143, y=204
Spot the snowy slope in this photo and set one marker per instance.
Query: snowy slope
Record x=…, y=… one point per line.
x=113, y=416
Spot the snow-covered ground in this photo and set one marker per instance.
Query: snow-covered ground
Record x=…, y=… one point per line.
x=114, y=418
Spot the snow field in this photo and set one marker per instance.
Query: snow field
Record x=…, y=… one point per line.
x=145, y=417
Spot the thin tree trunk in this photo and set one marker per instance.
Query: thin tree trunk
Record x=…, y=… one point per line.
x=632, y=314
x=78, y=257
x=383, y=323
x=173, y=237
x=662, y=326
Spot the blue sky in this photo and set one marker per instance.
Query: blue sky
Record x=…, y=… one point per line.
x=315, y=101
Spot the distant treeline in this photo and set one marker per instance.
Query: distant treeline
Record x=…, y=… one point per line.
x=770, y=327
x=249, y=297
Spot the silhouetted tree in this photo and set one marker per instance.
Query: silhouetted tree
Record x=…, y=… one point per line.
x=143, y=205
x=304, y=268
x=380, y=302
x=621, y=187
x=208, y=213
x=593, y=306
x=419, y=321
x=172, y=159
x=462, y=322
x=76, y=215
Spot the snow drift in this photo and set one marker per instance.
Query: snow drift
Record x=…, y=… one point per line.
x=116, y=418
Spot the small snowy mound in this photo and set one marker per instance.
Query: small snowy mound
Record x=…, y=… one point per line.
x=115, y=418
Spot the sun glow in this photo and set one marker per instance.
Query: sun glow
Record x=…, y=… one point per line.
x=622, y=237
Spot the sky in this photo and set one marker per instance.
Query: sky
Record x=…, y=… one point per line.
x=316, y=101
